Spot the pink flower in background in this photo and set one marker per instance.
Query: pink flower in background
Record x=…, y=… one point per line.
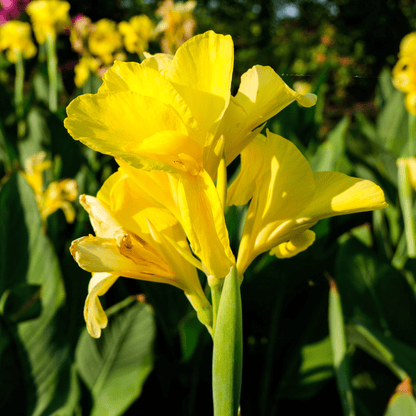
x=11, y=9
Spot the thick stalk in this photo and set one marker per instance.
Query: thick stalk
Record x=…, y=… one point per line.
x=227, y=359
x=52, y=73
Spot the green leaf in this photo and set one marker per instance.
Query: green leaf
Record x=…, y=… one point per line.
x=371, y=289
x=317, y=364
x=331, y=154
x=392, y=125
x=339, y=350
x=401, y=404
x=399, y=357
x=115, y=366
x=228, y=349
x=27, y=257
x=189, y=331
x=21, y=303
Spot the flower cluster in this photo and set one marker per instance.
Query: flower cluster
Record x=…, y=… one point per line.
x=98, y=44
x=58, y=195
x=404, y=72
x=15, y=38
x=173, y=126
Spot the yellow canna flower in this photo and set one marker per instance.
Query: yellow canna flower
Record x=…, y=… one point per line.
x=186, y=116
x=404, y=74
x=84, y=67
x=104, y=40
x=408, y=45
x=287, y=198
x=137, y=33
x=15, y=38
x=135, y=237
x=58, y=195
x=177, y=25
x=48, y=18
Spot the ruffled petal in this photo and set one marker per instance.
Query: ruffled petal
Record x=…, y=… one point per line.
x=114, y=123
x=131, y=76
x=338, y=194
x=95, y=317
x=262, y=94
x=159, y=61
x=201, y=72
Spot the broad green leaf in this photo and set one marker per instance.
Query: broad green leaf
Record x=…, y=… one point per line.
x=331, y=154
x=27, y=257
x=392, y=125
x=399, y=357
x=189, y=331
x=115, y=366
x=37, y=135
x=317, y=364
x=21, y=303
x=339, y=350
x=371, y=289
x=228, y=349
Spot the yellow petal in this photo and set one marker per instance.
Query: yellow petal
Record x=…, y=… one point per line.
x=94, y=315
x=204, y=224
x=159, y=61
x=254, y=160
x=131, y=76
x=161, y=186
x=95, y=254
x=133, y=207
x=111, y=122
x=285, y=189
x=201, y=72
x=295, y=245
x=102, y=221
x=338, y=194
x=262, y=94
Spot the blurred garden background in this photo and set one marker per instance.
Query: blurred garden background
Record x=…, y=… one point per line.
x=154, y=358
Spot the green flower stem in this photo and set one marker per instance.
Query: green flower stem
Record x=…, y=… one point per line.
x=339, y=349
x=52, y=73
x=18, y=95
x=412, y=135
x=405, y=196
x=203, y=309
x=216, y=289
x=227, y=359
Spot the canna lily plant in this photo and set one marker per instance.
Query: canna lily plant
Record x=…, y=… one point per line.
x=173, y=127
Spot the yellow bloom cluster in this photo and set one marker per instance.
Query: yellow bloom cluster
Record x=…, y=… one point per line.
x=48, y=18
x=404, y=72
x=58, y=195
x=15, y=38
x=173, y=125
x=137, y=33
x=98, y=44
x=177, y=25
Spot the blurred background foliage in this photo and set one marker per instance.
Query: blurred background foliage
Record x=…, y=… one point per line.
x=155, y=356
